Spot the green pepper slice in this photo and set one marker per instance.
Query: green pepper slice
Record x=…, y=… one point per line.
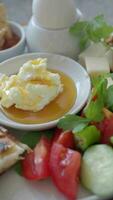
x=88, y=136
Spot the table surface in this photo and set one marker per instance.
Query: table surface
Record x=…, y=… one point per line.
x=20, y=10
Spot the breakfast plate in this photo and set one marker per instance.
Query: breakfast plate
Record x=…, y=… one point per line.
x=18, y=188
x=55, y=62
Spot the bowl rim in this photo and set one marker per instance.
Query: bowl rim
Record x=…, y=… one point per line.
x=21, y=40
x=52, y=123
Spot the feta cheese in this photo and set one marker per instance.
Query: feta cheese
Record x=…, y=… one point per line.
x=32, y=88
x=97, y=65
x=95, y=49
x=110, y=81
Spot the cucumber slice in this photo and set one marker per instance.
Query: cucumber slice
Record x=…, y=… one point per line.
x=97, y=170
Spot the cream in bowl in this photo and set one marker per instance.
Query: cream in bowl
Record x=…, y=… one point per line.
x=12, y=36
x=36, y=94
x=70, y=94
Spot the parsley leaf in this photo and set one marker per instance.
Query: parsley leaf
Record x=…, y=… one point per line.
x=94, y=30
x=18, y=168
x=109, y=99
x=32, y=138
x=73, y=122
x=99, y=85
x=94, y=108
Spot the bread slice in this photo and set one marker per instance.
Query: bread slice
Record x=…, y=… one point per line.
x=5, y=30
x=10, y=150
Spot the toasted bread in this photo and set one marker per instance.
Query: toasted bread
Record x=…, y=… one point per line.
x=10, y=150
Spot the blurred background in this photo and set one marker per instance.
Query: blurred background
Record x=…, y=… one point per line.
x=20, y=10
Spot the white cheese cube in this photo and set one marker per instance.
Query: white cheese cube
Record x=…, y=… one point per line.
x=97, y=65
x=95, y=49
x=110, y=81
x=109, y=56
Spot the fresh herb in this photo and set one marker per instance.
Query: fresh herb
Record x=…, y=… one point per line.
x=101, y=97
x=109, y=99
x=32, y=138
x=94, y=30
x=94, y=108
x=99, y=85
x=73, y=122
x=18, y=168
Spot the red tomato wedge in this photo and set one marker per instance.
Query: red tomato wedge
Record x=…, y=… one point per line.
x=66, y=138
x=106, y=128
x=35, y=166
x=65, y=168
x=57, y=133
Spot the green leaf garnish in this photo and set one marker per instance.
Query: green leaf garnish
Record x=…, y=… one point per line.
x=94, y=108
x=94, y=30
x=109, y=99
x=100, y=87
x=18, y=168
x=32, y=138
x=73, y=122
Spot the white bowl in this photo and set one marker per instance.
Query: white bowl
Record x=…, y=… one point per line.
x=59, y=41
x=64, y=64
x=19, y=47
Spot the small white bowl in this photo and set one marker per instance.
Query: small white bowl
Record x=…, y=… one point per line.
x=19, y=47
x=59, y=41
x=64, y=64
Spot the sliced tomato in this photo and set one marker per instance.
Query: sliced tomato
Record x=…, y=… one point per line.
x=65, y=168
x=28, y=167
x=66, y=138
x=57, y=133
x=106, y=128
x=35, y=166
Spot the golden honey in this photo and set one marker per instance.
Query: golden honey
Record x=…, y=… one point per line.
x=54, y=110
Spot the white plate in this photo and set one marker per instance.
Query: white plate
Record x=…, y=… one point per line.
x=14, y=187
x=67, y=65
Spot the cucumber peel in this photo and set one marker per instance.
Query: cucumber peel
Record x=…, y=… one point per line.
x=97, y=170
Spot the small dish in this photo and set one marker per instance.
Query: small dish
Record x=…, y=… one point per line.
x=61, y=63
x=19, y=47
